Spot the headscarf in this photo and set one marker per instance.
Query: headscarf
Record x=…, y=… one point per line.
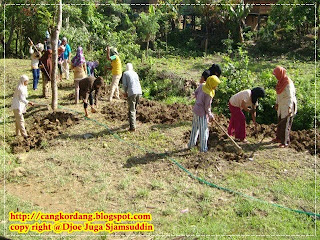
x=46, y=59
x=215, y=69
x=91, y=66
x=79, y=59
x=210, y=85
x=256, y=93
x=21, y=88
x=281, y=74
x=206, y=74
x=129, y=67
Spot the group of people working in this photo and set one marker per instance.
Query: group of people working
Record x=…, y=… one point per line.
x=246, y=100
x=87, y=87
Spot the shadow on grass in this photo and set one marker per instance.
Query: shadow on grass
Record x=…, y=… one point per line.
x=8, y=96
x=34, y=110
x=153, y=157
x=175, y=125
x=36, y=97
x=117, y=130
x=68, y=86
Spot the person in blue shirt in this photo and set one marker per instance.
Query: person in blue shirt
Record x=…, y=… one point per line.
x=66, y=56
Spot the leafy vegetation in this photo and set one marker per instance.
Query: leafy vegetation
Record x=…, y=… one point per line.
x=156, y=33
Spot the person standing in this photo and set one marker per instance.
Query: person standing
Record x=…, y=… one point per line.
x=286, y=106
x=246, y=100
x=19, y=102
x=132, y=89
x=79, y=67
x=202, y=112
x=46, y=68
x=35, y=56
x=116, y=69
x=66, y=57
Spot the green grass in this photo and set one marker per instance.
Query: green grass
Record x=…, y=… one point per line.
x=103, y=173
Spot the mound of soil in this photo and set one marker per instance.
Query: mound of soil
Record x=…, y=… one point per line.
x=219, y=142
x=150, y=111
x=304, y=140
x=44, y=129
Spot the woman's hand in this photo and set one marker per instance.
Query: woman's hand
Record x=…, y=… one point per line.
x=31, y=103
x=276, y=107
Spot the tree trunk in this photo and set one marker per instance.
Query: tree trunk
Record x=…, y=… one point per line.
x=173, y=25
x=207, y=37
x=318, y=24
x=166, y=41
x=148, y=40
x=54, y=43
x=20, y=41
x=67, y=22
x=17, y=39
x=184, y=22
x=10, y=35
x=193, y=22
x=240, y=32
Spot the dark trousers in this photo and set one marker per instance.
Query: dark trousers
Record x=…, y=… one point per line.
x=85, y=105
x=284, y=128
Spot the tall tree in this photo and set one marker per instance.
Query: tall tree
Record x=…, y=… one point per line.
x=148, y=26
x=238, y=13
x=54, y=42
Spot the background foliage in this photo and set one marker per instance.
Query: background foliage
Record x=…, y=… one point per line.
x=159, y=31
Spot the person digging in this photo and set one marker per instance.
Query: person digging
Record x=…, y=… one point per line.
x=89, y=86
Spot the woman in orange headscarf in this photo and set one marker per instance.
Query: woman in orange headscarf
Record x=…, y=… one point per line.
x=286, y=106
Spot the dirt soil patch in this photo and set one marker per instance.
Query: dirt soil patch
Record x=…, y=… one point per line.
x=219, y=142
x=149, y=112
x=44, y=129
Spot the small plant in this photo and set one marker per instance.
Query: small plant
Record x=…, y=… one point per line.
x=156, y=185
x=44, y=144
x=142, y=193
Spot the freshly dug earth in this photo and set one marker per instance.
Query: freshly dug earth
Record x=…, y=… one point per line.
x=43, y=129
x=149, y=112
x=154, y=112
x=218, y=141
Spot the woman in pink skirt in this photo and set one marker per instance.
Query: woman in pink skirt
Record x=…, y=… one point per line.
x=246, y=100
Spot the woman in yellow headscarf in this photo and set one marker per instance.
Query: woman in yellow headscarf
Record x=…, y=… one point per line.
x=202, y=111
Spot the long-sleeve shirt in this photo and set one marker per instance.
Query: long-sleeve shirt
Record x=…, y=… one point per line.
x=287, y=99
x=131, y=83
x=86, y=86
x=202, y=106
x=34, y=58
x=19, y=101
